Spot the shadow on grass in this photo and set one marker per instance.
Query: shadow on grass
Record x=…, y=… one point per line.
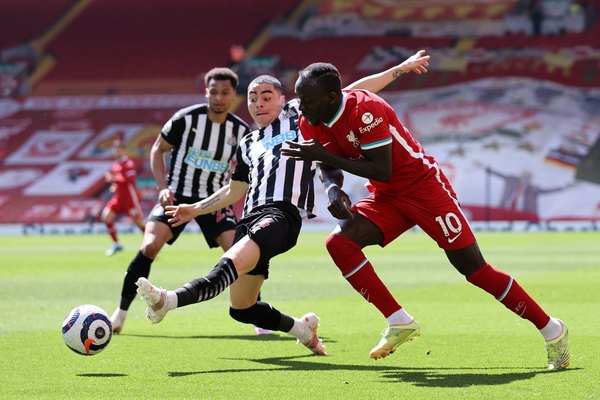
x=455, y=377
x=253, y=338
x=100, y=375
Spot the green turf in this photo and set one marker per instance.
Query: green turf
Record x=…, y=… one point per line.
x=471, y=347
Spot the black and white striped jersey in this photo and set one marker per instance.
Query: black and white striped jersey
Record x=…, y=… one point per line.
x=202, y=150
x=271, y=176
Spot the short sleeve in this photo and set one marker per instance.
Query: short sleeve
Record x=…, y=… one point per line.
x=372, y=125
x=173, y=129
x=242, y=170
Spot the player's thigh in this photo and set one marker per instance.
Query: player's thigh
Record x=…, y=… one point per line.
x=438, y=213
x=156, y=234
x=385, y=218
x=244, y=291
x=225, y=239
x=360, y=230
x=244, y=254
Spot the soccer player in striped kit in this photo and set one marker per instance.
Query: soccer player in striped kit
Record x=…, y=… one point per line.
x=201, y=140
x=358, y=132
x=279, y=193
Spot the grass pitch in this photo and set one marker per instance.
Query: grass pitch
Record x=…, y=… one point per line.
x=471, y=347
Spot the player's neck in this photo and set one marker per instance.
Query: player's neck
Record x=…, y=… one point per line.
x=217, y=118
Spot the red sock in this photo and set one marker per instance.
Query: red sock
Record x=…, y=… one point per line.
x=507, y=291
x=359, y=272
x=112, y=232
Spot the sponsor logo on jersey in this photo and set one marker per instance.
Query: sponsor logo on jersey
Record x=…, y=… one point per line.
x=270, y=143
x=371, y=125
x=203, y=159
x=367, y=118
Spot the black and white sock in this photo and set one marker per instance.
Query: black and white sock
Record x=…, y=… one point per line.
x=138, y=268
x=213, y=284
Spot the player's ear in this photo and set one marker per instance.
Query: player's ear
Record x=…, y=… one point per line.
x=334, y=97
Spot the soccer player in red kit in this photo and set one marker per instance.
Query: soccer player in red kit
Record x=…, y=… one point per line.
x=358, y=132
x=125, y=199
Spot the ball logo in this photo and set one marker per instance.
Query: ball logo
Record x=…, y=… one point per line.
x=367, y=118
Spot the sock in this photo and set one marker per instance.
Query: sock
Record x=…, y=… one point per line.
x=507, y=291
x=400, y=317
x=552, y=330
x=112, y=232
x=139, y=267
x=120, y=314
x=202, y=289
x=359, y=272
x=172, y=300
x=298, y=329
x=263, y=315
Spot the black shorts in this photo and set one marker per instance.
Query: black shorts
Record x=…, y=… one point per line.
x=211, y=225
x=274, y=227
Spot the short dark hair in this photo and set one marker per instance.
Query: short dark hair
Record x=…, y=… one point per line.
x=222, y=74
x=325, y=75
x=268, y=79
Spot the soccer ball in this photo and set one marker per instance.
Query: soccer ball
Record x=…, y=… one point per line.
x=87, y=330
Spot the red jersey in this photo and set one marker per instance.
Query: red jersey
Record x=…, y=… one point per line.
x=365, y=121
x=124, y=175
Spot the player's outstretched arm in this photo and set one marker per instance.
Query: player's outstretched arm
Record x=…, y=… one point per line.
x=223, y=197
x=416, y=63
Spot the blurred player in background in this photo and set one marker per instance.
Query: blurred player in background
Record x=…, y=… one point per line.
x=357, y=131
x=201, y=139
x=278, y=194
x=125, y=199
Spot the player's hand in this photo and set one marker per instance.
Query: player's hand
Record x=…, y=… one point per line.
x=306, y=150
x=179, y=214
x=166, y=198
x=416, y=63
x=339, y=204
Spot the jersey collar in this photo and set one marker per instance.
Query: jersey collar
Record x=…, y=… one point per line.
x=338, y=113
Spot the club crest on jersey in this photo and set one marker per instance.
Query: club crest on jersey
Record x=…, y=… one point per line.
x=289, y=113
x=270, y=143
x=231, y=140
x=353, y=139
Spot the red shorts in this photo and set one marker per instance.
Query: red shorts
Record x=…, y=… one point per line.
x=433, y=206
x=123, y=205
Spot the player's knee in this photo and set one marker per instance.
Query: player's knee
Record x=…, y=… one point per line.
x=339, y=246
x=150, y=249
x=245, y=316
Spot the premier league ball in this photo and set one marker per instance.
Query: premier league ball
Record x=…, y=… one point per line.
x=87, y=330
